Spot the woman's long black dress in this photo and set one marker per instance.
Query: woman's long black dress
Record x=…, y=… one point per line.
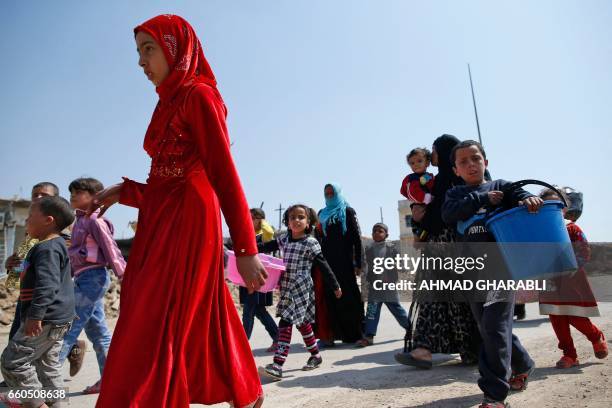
x=343, y=252
x=446, y=326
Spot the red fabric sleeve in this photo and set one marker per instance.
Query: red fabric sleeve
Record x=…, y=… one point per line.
x=323, y=328
x=404, y=187
x=206, y=117
x=580, y=243
x=131, y=193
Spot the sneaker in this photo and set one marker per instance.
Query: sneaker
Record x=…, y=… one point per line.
x=601, y=347
x=274, y=370
x=567, y=362
x=312, y=363
x=93, y=389
x=272, y=348
x=76, y=356
x=518, y=382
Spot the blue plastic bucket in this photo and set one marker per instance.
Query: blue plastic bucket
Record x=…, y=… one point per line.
x=534, y=245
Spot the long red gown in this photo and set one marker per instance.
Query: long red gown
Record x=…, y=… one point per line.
x=572, y=294
x=179, y=339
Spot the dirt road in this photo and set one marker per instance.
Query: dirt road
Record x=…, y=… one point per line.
x=352, y=377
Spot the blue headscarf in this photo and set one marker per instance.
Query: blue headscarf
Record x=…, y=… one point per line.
x=334, y=211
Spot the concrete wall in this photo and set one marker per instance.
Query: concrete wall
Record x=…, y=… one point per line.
x=13, y=214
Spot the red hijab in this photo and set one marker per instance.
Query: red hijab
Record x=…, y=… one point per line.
x=187, y=64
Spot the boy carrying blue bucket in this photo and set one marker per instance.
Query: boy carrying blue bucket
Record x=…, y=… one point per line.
x=503, y=362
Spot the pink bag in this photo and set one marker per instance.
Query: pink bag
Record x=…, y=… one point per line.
x=274, y=267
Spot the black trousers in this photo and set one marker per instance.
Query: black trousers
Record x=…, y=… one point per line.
x=501, y=351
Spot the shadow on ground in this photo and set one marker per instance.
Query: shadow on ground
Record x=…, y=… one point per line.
x=396, y=376
x=530, y=323
x=465, y=401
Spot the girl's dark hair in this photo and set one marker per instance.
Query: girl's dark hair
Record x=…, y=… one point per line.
x=419, y=150
x=58, y=208
x=310, y=213
x=91, y=185
x=466, y=144
x=47, y=184
x=258, y=213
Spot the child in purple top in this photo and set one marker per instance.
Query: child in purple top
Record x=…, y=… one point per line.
x=92, y=250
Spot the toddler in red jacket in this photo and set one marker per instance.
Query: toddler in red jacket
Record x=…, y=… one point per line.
x=418, y=185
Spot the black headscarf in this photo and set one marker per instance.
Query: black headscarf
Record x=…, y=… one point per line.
x=445, y=180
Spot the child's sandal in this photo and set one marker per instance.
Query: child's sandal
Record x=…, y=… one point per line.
x=76, y=356
x=567, y=362
x=600, y=348
x=518, y=382
x=93, y=389
x=365, y=342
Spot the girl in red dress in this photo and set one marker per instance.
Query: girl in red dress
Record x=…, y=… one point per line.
x=179, y=339
x=572, y=302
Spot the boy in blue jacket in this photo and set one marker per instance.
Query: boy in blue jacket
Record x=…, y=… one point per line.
x=503, y=363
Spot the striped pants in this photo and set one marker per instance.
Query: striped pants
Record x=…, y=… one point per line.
x=284, y=340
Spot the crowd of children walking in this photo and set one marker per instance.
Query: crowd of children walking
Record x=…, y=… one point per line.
x=63, y=280
x=196, y=350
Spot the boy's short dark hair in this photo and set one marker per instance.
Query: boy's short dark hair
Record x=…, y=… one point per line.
x=47, y=184
x=312, y=216
x=258, y=213
x=463, y=145
x=58, y=208
x=419, y=150
x=91, y=185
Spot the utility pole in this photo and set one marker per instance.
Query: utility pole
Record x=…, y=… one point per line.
x=280, y=215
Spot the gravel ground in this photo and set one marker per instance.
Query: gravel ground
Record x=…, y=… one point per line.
x=369, y=377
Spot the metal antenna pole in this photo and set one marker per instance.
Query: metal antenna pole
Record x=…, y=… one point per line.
x=474, y=102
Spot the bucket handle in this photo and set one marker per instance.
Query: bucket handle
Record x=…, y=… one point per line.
x=521, y=183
